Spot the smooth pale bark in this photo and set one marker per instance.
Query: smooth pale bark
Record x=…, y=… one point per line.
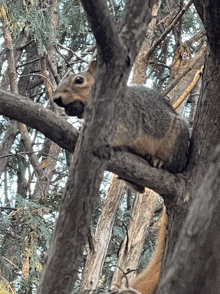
x=137, y=233
x=141, y=63
x=100, y=240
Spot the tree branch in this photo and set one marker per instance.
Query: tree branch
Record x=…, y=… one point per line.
x=130, y=32
x=190, y=66
x=103, y=27
x=134, y=168
x=93, y=148
x=199, y=8
x=50, y=124
x=125, y=165
x=134, y=23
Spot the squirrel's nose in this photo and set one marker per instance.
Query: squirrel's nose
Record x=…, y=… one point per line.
x=58, y=101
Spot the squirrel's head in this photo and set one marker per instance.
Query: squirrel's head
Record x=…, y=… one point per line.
x=74, y=91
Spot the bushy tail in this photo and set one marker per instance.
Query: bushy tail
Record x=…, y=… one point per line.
x=147, y=281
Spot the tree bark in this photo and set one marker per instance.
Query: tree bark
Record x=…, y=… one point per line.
x=48, y=123
x=141, y=63
x=180, y=64
x=138, y=230
x=195, y=261
x=198, y=276
x=97, y=254
x=10, y=135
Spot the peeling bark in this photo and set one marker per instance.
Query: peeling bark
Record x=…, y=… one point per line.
x=137, y=233
x=96, y=255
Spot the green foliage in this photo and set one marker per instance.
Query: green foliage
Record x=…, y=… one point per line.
x=31, y=13
x=191, y=23
x=26, y=230
x=3, y=127
x=73, y=26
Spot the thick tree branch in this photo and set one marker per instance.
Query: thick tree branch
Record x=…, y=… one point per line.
x=125, y=165
x=17, y=107
x=133, y=26
x=103, y=27
x=133, y=168
x=129, y=32
x=199, y=8
x=191, y=260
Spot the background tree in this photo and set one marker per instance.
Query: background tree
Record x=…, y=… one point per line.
x=39, y=51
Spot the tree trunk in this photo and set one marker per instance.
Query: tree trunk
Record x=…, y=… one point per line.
x=97, y=252
x=138, y=230
x=195, y=261
x=191, y=264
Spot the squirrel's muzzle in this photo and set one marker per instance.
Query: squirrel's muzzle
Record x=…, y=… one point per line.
x=74, y=108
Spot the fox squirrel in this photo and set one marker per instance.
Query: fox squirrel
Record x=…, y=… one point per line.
x=147, y=126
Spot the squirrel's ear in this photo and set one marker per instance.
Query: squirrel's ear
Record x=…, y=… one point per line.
x=92, y=67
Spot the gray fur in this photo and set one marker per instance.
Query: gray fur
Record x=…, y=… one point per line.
x=146, y=110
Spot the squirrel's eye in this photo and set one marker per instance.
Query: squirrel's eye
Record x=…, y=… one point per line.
x=79, y=80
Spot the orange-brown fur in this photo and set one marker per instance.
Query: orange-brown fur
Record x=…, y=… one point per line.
x=71, y=91
x=146, y=282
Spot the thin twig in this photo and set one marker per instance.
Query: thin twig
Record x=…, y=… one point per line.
x=70, y=50
x=26, y=63
x=35, y=74
x=169, y=28
x=176, y=81
x=64, y=58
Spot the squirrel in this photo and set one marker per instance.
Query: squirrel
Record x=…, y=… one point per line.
x=149, y=127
